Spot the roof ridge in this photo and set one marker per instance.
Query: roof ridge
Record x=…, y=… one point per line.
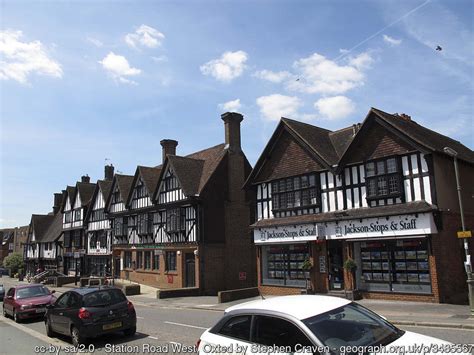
x=202, y=150
x=285, y=119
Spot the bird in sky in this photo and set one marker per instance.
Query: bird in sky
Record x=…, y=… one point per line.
x=438, y=48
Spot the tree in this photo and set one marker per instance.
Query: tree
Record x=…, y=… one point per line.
x=14, y=262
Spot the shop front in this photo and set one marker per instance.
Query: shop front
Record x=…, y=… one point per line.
x=392, y=254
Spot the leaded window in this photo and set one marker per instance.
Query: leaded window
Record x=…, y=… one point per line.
x=175, y=220
x=295, y=193
x=383, y=178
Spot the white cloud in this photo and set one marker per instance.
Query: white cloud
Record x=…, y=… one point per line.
x=319, y=75
x=392, y=41
x=161, y=58
x=231, y=106
x=145, y=36
x=275, y=106
x=96, y=42
x=228, y=67
x=274, y=77
x=335, y=107
x=361, y=62
x=118, y=68
x=20, y=59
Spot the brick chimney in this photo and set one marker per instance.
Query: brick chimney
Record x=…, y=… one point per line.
x=58, y=198
x=405, y=116
x=109, y=172
x=232, y=130
x=169, y=148
x=85, y=178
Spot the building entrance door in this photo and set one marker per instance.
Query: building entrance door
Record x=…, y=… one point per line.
x=336, y=271
x=117, y=268
x=190, y=267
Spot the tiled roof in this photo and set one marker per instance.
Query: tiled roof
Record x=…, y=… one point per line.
x=55, y=229
x=150, y=177
x=105, y=186
x=365, y=212
x=86, y=190
x=40, y=225
x=424, y=136
x=211, y=158
x=188, y=172
x=124, y=183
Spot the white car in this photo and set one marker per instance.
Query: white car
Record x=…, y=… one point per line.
x=313, y=325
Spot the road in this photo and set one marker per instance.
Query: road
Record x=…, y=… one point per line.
x=159, y=330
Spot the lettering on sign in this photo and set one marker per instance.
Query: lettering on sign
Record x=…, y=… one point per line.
x=322, y=264
x=377, y=227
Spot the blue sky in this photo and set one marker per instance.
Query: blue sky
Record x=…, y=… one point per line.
x=82, y=81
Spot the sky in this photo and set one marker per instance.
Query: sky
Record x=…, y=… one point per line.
x=85, y=83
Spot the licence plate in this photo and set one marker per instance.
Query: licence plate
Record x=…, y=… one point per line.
x=112, y=325
x=40, y=310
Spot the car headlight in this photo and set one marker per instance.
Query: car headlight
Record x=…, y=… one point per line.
x=25, y=306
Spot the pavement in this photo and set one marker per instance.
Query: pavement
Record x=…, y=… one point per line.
x=397, y=312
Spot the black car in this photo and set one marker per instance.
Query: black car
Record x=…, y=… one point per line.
x=2, y=292
x=90, y=312
x=3, y=271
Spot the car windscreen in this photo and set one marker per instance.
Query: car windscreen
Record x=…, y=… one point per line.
x=352, y=326
x=33, y=291
x=103, y=298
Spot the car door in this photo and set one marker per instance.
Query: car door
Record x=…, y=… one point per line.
x=9, y=300
x=70, y=314
x=56, y=314
x=232, y=338
x=279, y=336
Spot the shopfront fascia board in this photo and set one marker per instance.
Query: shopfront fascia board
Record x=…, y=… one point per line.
x=364, y=228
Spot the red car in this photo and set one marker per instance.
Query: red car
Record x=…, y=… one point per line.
x=27, y=301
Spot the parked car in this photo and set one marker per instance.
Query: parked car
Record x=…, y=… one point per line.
x=2, y=292
x=27, y=301
x=310, y=324
x=84, y=313
x=3, y=271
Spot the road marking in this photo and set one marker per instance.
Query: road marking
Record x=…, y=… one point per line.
x=35, y=334
x=185, y=325
x=155, y=338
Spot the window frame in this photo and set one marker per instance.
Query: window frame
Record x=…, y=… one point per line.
x=373, y=181
x=289, y=191
x=168, y=261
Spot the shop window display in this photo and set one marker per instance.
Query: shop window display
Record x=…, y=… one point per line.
x=395, y=266
x=282, y=265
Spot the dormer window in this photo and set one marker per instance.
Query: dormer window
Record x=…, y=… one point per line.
x=140, y=189
x=383, y=178
x=77, y=214
x=295, y=193
x=116, y=197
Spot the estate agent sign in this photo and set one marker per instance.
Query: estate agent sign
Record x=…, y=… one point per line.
x=390, y=226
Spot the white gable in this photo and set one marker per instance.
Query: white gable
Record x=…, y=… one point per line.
x=77, y=203
x=68, y=204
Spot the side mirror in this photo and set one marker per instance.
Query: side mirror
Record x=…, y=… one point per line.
x=50, y=306
x=9, y=297
x=53, y=291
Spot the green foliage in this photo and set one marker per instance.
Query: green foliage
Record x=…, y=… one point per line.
x=350, y=264
x=14, y=262
x=307, y=264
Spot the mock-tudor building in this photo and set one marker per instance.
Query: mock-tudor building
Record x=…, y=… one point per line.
x=74, y=209
x=42, y=250
x=382, y=193
x=185, y=223
x=99, y=235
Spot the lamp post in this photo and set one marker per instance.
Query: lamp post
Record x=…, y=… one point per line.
x=467, y=264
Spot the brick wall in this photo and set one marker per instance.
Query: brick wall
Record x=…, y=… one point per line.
x=449, y=259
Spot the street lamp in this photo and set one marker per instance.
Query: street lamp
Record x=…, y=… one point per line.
x=467, y=264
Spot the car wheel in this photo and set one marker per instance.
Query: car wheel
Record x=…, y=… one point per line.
x=130, y=331
x=77, y=338
x=49, y=331
x=15, y=316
